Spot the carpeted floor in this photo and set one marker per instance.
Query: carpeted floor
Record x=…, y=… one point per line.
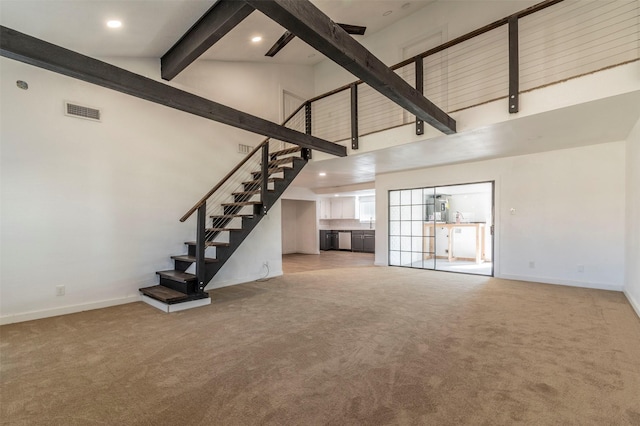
x=364, y=345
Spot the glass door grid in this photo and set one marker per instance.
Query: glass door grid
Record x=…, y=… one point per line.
x=412, y=217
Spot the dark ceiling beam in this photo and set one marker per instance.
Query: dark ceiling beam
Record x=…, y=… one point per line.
x=278, y=45
x=287, y=37
x=221, y=18
x=316, y=29
x=39, y=53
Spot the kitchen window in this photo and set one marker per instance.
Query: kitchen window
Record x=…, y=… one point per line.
x=367, y=208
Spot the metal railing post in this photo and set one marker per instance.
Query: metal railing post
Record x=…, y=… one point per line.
x=265, y=177
x=307, y=128
x=200, y=247
x=354, y=116
x=514, y=65
x=420, y=88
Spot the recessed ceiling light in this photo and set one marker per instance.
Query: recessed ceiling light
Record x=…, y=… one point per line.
x=322, y=174
x=387, y=13
x=114, y=23
x=337, y=195
x=256, y=39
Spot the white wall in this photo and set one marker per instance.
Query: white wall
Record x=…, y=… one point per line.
x=299, y=227
x=95, y=206
x=569, y=212
x=247, y=263
x=289, y=226
x=632, y=265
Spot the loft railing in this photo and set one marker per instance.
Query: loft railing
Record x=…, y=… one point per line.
x=544, y=44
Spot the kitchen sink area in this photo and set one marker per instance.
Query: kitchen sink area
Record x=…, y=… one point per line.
x=346, y=222
x=356, y=240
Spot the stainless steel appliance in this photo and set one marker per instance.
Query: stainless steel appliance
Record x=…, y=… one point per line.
x=344, y=240
x=437, y=208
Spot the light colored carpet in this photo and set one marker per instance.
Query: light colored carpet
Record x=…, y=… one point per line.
x=365, y=345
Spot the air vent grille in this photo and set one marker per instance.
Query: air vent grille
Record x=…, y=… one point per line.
x=80, y=111
x=244, y=149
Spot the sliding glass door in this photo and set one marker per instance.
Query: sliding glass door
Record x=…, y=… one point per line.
x=447, y=228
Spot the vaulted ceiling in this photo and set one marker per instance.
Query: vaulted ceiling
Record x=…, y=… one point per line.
x=150, y=28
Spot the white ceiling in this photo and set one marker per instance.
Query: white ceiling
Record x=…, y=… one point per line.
x=151, y=27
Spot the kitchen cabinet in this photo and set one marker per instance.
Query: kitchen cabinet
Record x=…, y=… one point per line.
x=328, y=240
x=348, y=208
x=369, y=242
x=325, y=208
x=338, y=208
x=364, y=241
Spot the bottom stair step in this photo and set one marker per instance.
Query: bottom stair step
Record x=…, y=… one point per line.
x=179, y=276
x=163, y=294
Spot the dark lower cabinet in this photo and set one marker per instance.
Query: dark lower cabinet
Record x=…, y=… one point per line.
x=369, y=243
x=328, y=240
x=363, y=241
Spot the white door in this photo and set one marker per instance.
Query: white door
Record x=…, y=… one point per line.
x=290, y=102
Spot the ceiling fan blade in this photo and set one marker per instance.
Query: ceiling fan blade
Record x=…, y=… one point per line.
x=282, y=42
x=353, y=29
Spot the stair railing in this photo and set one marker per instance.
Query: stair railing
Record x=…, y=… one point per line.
x=238, y=190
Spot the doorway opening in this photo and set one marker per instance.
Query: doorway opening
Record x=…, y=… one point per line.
x=443, y=228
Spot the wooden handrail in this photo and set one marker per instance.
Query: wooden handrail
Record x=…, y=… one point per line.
x=235, y=169
x=222, y=182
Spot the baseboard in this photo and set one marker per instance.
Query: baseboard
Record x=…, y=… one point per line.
x=46, y=313
x=176, y=307
x=634, y=303
x=570, y=283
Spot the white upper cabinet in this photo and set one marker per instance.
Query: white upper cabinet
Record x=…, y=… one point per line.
x=338, y=208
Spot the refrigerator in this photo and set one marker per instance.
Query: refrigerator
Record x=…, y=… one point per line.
x=437, y=208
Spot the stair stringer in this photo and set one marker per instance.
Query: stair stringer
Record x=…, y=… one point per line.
x=223, y=254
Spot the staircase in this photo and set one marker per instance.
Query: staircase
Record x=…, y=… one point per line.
x=225, y=217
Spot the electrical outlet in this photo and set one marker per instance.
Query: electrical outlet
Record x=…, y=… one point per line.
x=532, y=264
x=580, y=268
x=60, y=290
x=512, y=210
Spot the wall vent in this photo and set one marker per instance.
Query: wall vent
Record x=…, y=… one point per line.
x=244, y=149
x=80, y=111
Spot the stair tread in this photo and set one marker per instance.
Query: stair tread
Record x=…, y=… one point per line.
x=247, y=192
x=286, y=151
x=222, y=229
x=164, y=294
x=280, y=161
x=187, y=258
x=241, y=203
x=178, y=276
x=230, y=216
x=209, y=243
x=258, y=181
x=271, y=171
